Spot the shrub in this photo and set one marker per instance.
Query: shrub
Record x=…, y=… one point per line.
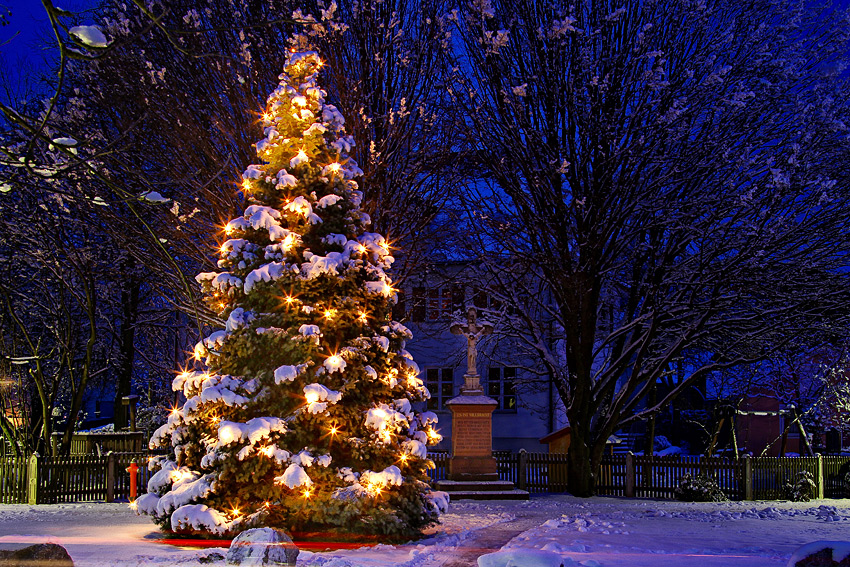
x=699, y=488
x=801, y=488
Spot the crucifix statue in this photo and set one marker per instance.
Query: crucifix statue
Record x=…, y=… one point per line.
x=472, y=331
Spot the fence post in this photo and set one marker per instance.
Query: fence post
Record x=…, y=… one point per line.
x=820, y=476
x=110, y=477
x=630, y=474
x=32, y=480
x=521, y=476
x=748, y=478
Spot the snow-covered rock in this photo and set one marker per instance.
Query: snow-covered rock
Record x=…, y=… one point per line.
x=820, y=553
x=51, y=554
x=262, y=546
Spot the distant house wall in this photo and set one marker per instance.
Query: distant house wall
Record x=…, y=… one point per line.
x=522, y=418
x=757, y=432
x=427, y=306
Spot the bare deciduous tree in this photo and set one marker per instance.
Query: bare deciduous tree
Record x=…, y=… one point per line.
x=168, y=112
x=668, y=170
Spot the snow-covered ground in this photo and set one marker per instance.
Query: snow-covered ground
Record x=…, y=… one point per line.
x=608, y=532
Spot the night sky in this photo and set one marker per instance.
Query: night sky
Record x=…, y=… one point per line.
x=29, y=22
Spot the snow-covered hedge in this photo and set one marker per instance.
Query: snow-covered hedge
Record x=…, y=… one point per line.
x=801, y=488
x=699, y=488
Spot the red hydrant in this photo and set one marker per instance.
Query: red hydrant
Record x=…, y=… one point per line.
x=133, y=469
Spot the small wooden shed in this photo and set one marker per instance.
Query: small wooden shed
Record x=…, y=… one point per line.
x=558, y=440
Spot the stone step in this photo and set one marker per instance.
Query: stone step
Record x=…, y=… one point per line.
x=474, y=485
x=488, y=495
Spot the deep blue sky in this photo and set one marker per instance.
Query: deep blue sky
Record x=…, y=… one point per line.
x=29, y=21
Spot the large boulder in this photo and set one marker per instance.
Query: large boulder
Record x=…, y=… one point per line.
x=822, y=554
x=42, y=554
x=262, y=546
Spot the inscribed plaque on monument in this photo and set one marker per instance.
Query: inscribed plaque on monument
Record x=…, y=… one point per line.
x=472, y=436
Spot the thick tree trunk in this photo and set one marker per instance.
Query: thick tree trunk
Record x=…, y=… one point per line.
x=581, y=469
x=127, y=350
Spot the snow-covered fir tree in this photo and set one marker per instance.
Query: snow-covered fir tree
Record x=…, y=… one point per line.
x=299, y=414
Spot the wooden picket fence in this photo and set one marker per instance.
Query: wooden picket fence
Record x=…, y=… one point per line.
x=78, y=478
x=48, y=480
x=744, y=479
x=13, y=480
x=657, y=477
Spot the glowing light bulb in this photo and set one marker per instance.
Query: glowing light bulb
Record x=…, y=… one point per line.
x=222, y=305
x=228, y=229
x=307, y=493
x=334, y=361
x=312, y=397
x=175, y=411
x=333, y=430
x=302, y=155
x=133, y=505
x=361, y=248
x=267, y=504
x=329, y=314
x=335, y=167
x=246, y=185
x=268, y=450
x=288, y=242
x=403, y=457
x=266, y=116
x=235, y=511
x=289, y=299
x=223, y=248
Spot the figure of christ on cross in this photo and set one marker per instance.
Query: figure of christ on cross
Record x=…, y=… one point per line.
x=473, y=331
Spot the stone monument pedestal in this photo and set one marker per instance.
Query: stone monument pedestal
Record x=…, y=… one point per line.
x=472, y=437
x=473, y=472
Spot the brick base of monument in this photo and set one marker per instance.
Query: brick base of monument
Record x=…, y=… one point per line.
x=473, y=468
x=473, y=472
x=472, y=438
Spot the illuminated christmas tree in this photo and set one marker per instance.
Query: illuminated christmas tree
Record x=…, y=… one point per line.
x=299, y=414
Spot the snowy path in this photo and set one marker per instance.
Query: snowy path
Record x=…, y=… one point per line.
x=613, y=532
x=636, y=533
